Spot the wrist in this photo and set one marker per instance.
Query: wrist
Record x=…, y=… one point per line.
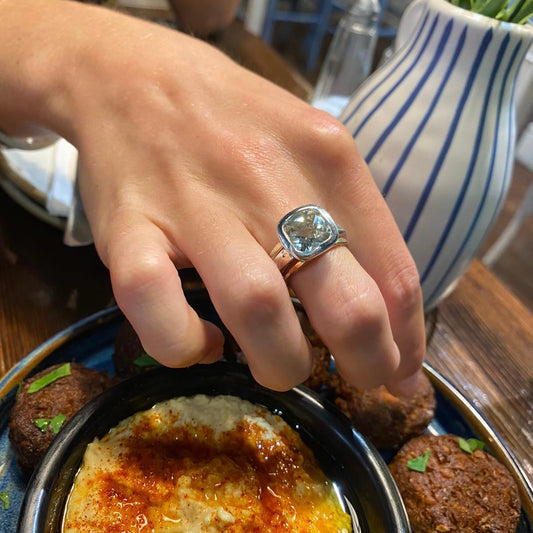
x=40, y=41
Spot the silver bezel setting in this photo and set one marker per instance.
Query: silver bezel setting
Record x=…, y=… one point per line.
x=319, y=249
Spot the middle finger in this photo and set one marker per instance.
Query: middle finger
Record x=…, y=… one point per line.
x=252, y=300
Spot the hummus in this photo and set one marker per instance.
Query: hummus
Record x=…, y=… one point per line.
x=202, y=465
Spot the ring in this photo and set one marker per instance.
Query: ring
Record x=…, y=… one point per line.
x=305, y=233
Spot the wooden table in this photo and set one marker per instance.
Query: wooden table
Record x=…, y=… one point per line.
x=482, y=341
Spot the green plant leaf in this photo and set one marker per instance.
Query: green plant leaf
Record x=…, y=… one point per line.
x=57, y=422
x=489, y=8
x=513, y=7
x=515, y=12
x=54, y=423
x=522, y=11
x=41, y=383
x=470, y=445
x=145, y=360
x=418, y=464
x=465, y=4
x=4, y=498
x=42, y=423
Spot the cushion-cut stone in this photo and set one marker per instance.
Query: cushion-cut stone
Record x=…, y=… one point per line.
x=308, y=231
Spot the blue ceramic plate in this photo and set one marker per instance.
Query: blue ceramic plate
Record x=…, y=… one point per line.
x=91, y=342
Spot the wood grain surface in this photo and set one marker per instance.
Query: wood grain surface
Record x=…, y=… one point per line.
x=483, y=343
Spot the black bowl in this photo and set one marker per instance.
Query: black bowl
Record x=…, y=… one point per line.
x=354, y=465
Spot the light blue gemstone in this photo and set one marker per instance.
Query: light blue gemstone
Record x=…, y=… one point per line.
x=307, y=231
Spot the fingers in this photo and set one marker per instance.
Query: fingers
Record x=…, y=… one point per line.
x=348, y=312
x=252, y=300
x=376, y=242
x=357, y=205
x=147, y=288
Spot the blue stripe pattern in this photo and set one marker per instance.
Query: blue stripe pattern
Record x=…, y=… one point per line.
x=400, y=81
x=398, y=65
x=418, y=87
x=436, y=127
x=405, y=154
x=449, y=137
x=509, y=152
x=473, y=160
x=477, y=215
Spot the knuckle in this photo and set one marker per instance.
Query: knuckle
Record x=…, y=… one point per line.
x=330, y=140
x=403, y=289
x=256, y=292
x=358, y=314
x=261, y=298
x=133, y=277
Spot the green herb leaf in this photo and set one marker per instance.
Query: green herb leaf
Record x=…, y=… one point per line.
x=4, y=498
x=418, y=464
x=55, y=423
x=41, y=383
x=145, y=360
x=42, y=423
x=470, y=445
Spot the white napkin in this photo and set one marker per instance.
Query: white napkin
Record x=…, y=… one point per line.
x=61, y=187
x=33, y=166
x=50, y=170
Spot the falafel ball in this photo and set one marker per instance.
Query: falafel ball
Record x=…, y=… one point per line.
x=387, y=420
x=319, y=377
x=128, y=350
x=130, y=358
x=458, y=492
x=63, y=397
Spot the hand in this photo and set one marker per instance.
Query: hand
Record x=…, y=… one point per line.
x=188, y=159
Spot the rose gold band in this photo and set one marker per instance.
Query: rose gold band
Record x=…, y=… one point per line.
x=289, y=264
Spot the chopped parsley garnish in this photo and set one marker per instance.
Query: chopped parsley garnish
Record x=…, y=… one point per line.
x=57, y=373
x=418, y=464
x=4, y=498
x=470, y=445
x=55, y=423
x=42, y=423
x=145, y=360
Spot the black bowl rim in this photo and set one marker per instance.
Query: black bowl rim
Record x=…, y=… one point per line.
x=96, y=418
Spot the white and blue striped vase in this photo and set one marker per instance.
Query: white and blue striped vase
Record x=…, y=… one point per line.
x=436, y=125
